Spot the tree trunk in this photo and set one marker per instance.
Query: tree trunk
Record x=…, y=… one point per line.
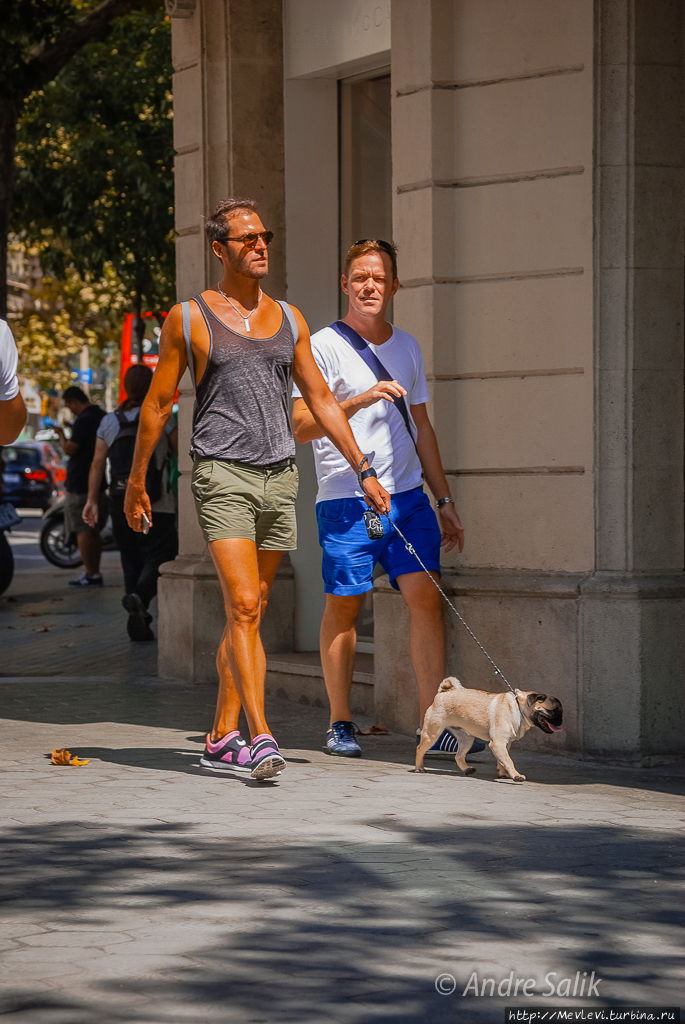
x=8, y=141
x=138, y=332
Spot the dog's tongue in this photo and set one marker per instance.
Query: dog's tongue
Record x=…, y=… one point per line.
x=555, y=728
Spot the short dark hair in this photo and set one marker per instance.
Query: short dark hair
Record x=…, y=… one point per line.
x=215, y=226
x=367, y=245
x=137, y=380
x=74, y=394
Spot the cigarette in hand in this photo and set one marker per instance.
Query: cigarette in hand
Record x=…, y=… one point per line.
x=146, y=523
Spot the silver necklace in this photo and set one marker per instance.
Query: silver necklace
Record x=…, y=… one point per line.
x=245, y=318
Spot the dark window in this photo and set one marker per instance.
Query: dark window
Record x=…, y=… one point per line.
x=19, y=456
x=365, y=161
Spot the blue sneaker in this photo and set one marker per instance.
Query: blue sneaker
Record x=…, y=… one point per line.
x=340, y=740
x=446, y=744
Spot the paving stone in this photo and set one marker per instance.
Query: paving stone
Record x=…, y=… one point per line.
x=143, y=889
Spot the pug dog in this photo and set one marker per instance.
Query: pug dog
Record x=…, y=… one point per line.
x=497, y=718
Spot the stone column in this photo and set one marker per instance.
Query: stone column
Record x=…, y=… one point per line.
x=633, y=615
x=537, y=160
x=228, y=133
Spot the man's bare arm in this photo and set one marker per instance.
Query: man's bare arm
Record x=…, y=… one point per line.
x=12, y=418
x=431, y=463
x=68, y=447
x=97, y=468
x=328, y=415
x=305, y=427
x=154, y=413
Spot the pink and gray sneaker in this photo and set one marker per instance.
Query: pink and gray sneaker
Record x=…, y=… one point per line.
x=230, y=753
x=267, y=760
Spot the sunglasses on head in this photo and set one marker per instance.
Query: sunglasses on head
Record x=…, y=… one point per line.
x=376, y=241
x=251, y=239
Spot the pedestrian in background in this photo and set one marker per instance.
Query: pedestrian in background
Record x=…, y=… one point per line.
x=12, y=408
x=80, y=448
x=141, y=553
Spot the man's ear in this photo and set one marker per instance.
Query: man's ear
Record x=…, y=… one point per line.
x=395, y=286
x=344, y=285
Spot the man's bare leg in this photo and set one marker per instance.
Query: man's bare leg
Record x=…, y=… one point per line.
x=427, y=634
x=338, y=639
x=90, y=549
x=246, y=576
x=228, y=700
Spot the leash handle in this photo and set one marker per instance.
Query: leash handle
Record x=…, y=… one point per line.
x=412, y=551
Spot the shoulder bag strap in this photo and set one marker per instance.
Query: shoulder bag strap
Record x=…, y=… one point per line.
x=185, y=313
x=365, y=352
x=290, y=318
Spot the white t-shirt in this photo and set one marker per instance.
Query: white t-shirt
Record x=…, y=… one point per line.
x=380, y=428
x=9, y=385
x=108, y=430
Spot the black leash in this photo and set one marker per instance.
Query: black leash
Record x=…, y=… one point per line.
x=412, y=551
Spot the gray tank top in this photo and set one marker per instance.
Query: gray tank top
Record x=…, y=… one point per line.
x=241, y=403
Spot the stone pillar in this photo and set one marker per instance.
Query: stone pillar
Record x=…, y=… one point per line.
x=537, y=160
x=228, y=133
x=633, y=615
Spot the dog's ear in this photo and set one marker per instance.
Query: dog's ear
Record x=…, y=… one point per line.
x=533, y=698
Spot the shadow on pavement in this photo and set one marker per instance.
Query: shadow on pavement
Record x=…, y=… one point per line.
x=312, y=932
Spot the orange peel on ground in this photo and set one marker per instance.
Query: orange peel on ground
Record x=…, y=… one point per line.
x=64, y=757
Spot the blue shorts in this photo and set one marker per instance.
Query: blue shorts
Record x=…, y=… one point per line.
x=349, y=556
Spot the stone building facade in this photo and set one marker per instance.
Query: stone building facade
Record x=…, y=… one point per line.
x=528, y=157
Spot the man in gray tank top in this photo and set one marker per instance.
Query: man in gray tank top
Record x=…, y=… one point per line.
x=241, y=347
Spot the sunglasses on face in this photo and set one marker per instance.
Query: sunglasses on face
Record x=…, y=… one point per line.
x=250, y=240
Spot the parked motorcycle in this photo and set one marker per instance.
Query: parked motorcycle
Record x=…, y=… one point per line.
x=59, y=546
x=8, y=519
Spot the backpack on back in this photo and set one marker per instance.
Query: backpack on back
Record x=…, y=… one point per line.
x=121, y=460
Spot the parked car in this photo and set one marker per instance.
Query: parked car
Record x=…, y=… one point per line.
x=33, y=474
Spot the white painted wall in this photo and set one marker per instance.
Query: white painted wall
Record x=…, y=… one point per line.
x=335, y=38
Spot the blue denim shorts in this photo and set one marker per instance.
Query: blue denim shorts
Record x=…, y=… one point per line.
x=349, y=556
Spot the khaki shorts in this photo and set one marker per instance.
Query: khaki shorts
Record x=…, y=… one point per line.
x=237, y=501
x=74, y=505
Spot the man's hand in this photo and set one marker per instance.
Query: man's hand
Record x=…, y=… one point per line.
x=90, y=513
x=68, y=446
x=137, y=504
x=452, y=530
x=376, y=495
x=383, y=389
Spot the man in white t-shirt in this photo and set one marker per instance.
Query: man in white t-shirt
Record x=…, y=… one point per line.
x=12, y=408
x=390, y=423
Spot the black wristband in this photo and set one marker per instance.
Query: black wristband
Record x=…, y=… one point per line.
x=367, y=473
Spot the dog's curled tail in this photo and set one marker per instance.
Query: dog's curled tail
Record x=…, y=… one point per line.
x=449, y=684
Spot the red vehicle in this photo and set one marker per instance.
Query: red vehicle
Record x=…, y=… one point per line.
x=150, y=346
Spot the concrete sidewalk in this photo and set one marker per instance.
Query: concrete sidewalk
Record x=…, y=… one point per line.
x=143, y=888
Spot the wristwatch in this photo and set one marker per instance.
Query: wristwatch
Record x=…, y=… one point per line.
x=444, y=501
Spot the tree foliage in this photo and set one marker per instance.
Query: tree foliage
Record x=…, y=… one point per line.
x=94, y=161
x=37, y=39
x=64, y=316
